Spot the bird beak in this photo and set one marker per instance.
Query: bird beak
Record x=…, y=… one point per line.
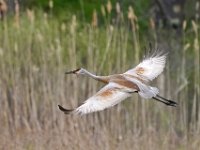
x=73, y=71
x=69, y=72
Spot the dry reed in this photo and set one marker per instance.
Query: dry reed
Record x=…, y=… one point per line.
x=33, y=60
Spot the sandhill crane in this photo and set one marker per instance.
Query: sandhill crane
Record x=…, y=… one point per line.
x=121, y=86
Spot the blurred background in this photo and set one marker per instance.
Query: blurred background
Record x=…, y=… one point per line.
x=41, y=39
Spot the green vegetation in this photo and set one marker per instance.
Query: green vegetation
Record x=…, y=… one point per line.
x=35, y=51
x=84, y=9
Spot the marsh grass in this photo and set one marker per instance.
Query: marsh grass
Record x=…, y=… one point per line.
x=35, y=53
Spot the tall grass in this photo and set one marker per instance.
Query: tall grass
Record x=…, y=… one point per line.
x=35, y=53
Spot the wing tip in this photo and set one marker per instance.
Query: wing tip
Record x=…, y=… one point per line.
x=66, y=111
x=156, y=52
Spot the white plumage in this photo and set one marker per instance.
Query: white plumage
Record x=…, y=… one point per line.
x=149, y=68
x=108, y=96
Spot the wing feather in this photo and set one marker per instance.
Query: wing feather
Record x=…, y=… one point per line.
x=108, y=96
x=150, y=67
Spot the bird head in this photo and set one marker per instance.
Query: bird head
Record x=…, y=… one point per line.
x=77, y=71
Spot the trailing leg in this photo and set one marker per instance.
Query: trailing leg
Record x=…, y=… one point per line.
x=165, y=101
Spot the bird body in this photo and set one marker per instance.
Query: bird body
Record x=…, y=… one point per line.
x=121, y=86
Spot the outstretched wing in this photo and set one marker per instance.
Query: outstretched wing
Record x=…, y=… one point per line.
x=108, y=96
x=150, y=67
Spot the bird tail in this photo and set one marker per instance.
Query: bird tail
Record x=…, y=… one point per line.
x=66, y=111
x=165, y=101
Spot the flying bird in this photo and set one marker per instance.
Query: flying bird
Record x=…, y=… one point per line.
x=121, y=86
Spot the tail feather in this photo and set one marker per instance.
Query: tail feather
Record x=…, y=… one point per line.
x=66, y=111
x=165, y=101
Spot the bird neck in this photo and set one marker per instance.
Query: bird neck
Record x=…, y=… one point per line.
x=104, y=79
x=87, y=73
